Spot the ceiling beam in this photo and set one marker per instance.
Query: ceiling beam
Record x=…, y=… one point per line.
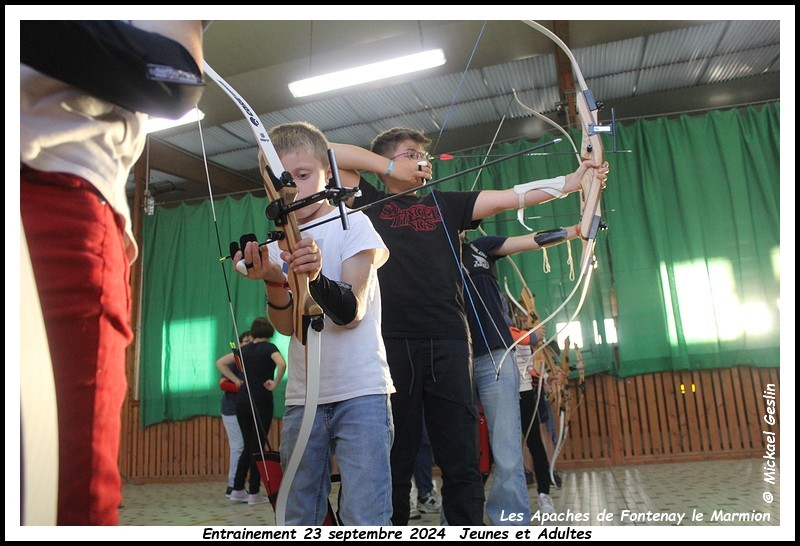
x=171, y=160
x=566, y=77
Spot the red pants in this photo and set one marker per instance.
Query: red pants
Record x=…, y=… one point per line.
x=82, y=275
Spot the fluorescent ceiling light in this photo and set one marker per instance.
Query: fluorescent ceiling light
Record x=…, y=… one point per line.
x=367, y=73
x=159, y=124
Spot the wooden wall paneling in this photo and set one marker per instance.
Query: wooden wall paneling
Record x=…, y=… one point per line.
x=628, y=418
x=587, y=409
x=680, y=403
x=741, y=412
x=188, y=465
x=772, y=375
x=644, y=418
x=618, y=393
x=697, y=379
x=764, y=381
x=663, y=419
x=612, y=419
x=721, y=410
x=635, y=415
x=215, y=458
x=705, y=389
x=673, y=414
x=753, y=404
x=595, y=413
x=689, y=394
x=597, y=409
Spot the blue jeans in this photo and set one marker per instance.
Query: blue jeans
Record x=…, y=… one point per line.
x=500, y=400
x=359, y=432
x=235, y=442
x=423, y=470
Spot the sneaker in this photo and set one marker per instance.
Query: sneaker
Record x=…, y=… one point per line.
x=413, y=513
x=430, y=504
x=228, y=492
x=238, y=495
x=546, y=504
x=256, y=498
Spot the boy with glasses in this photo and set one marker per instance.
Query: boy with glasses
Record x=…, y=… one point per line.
x=424, y=322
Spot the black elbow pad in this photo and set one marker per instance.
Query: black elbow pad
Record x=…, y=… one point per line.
x=336, y=299
x=135, y=69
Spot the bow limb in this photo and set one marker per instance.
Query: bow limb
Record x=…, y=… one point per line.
x=562, y=404
x=591, y=148
x=281, y=192
x=591, y=186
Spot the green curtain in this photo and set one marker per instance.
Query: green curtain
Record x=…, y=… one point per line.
x=186, y=318
x=551, y=288
x=687, y=273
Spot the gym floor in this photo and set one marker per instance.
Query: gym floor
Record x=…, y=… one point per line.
x=726, y=487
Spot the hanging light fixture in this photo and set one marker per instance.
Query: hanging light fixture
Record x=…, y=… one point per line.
x=368, y=73
x=159, y=124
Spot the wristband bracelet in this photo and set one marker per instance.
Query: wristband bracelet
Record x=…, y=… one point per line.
x=281, y=308
x=390, y=167
x=284, y=284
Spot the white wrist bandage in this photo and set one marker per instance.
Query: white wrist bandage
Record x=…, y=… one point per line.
x=553, y=186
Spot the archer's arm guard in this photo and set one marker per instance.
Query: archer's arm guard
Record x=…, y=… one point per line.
x=552, y=186
x=336, y=299
x=550, y=237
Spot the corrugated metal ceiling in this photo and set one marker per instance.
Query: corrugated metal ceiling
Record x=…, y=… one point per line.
x=692, y=57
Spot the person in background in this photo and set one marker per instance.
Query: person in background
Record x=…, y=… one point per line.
x=424, y=491
x=497, y=382
x=228, y=412
x=531, y=405
x=86, y=90
x=263, y=367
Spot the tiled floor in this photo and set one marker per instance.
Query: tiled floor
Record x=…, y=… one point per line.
x=664, y=490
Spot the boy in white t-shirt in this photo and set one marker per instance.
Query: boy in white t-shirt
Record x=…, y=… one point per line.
x=353, y=417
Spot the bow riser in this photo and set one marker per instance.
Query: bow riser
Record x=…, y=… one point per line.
x=591, y=148
x=305, y=308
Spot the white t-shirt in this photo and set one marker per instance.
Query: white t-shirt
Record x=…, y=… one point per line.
x=353, y=360
x=64, y=129
x=524, y=360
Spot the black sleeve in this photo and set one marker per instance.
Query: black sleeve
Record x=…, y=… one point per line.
x=138, y=70
x=336, y=299
x=367, y=194
x=460, y=205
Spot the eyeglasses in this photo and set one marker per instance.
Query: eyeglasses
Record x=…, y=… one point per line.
x=414, y=154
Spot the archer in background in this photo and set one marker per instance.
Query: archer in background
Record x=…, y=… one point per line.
x=497, y=383
x=85, y=94
x=424, y=321
x=262, y=367
x=228, y=412
x=533, y=408
x=425, y=495
x=353, y=419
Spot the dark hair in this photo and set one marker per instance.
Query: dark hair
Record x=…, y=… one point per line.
x=262, y=327
x=244, y=334
x=384, y=143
